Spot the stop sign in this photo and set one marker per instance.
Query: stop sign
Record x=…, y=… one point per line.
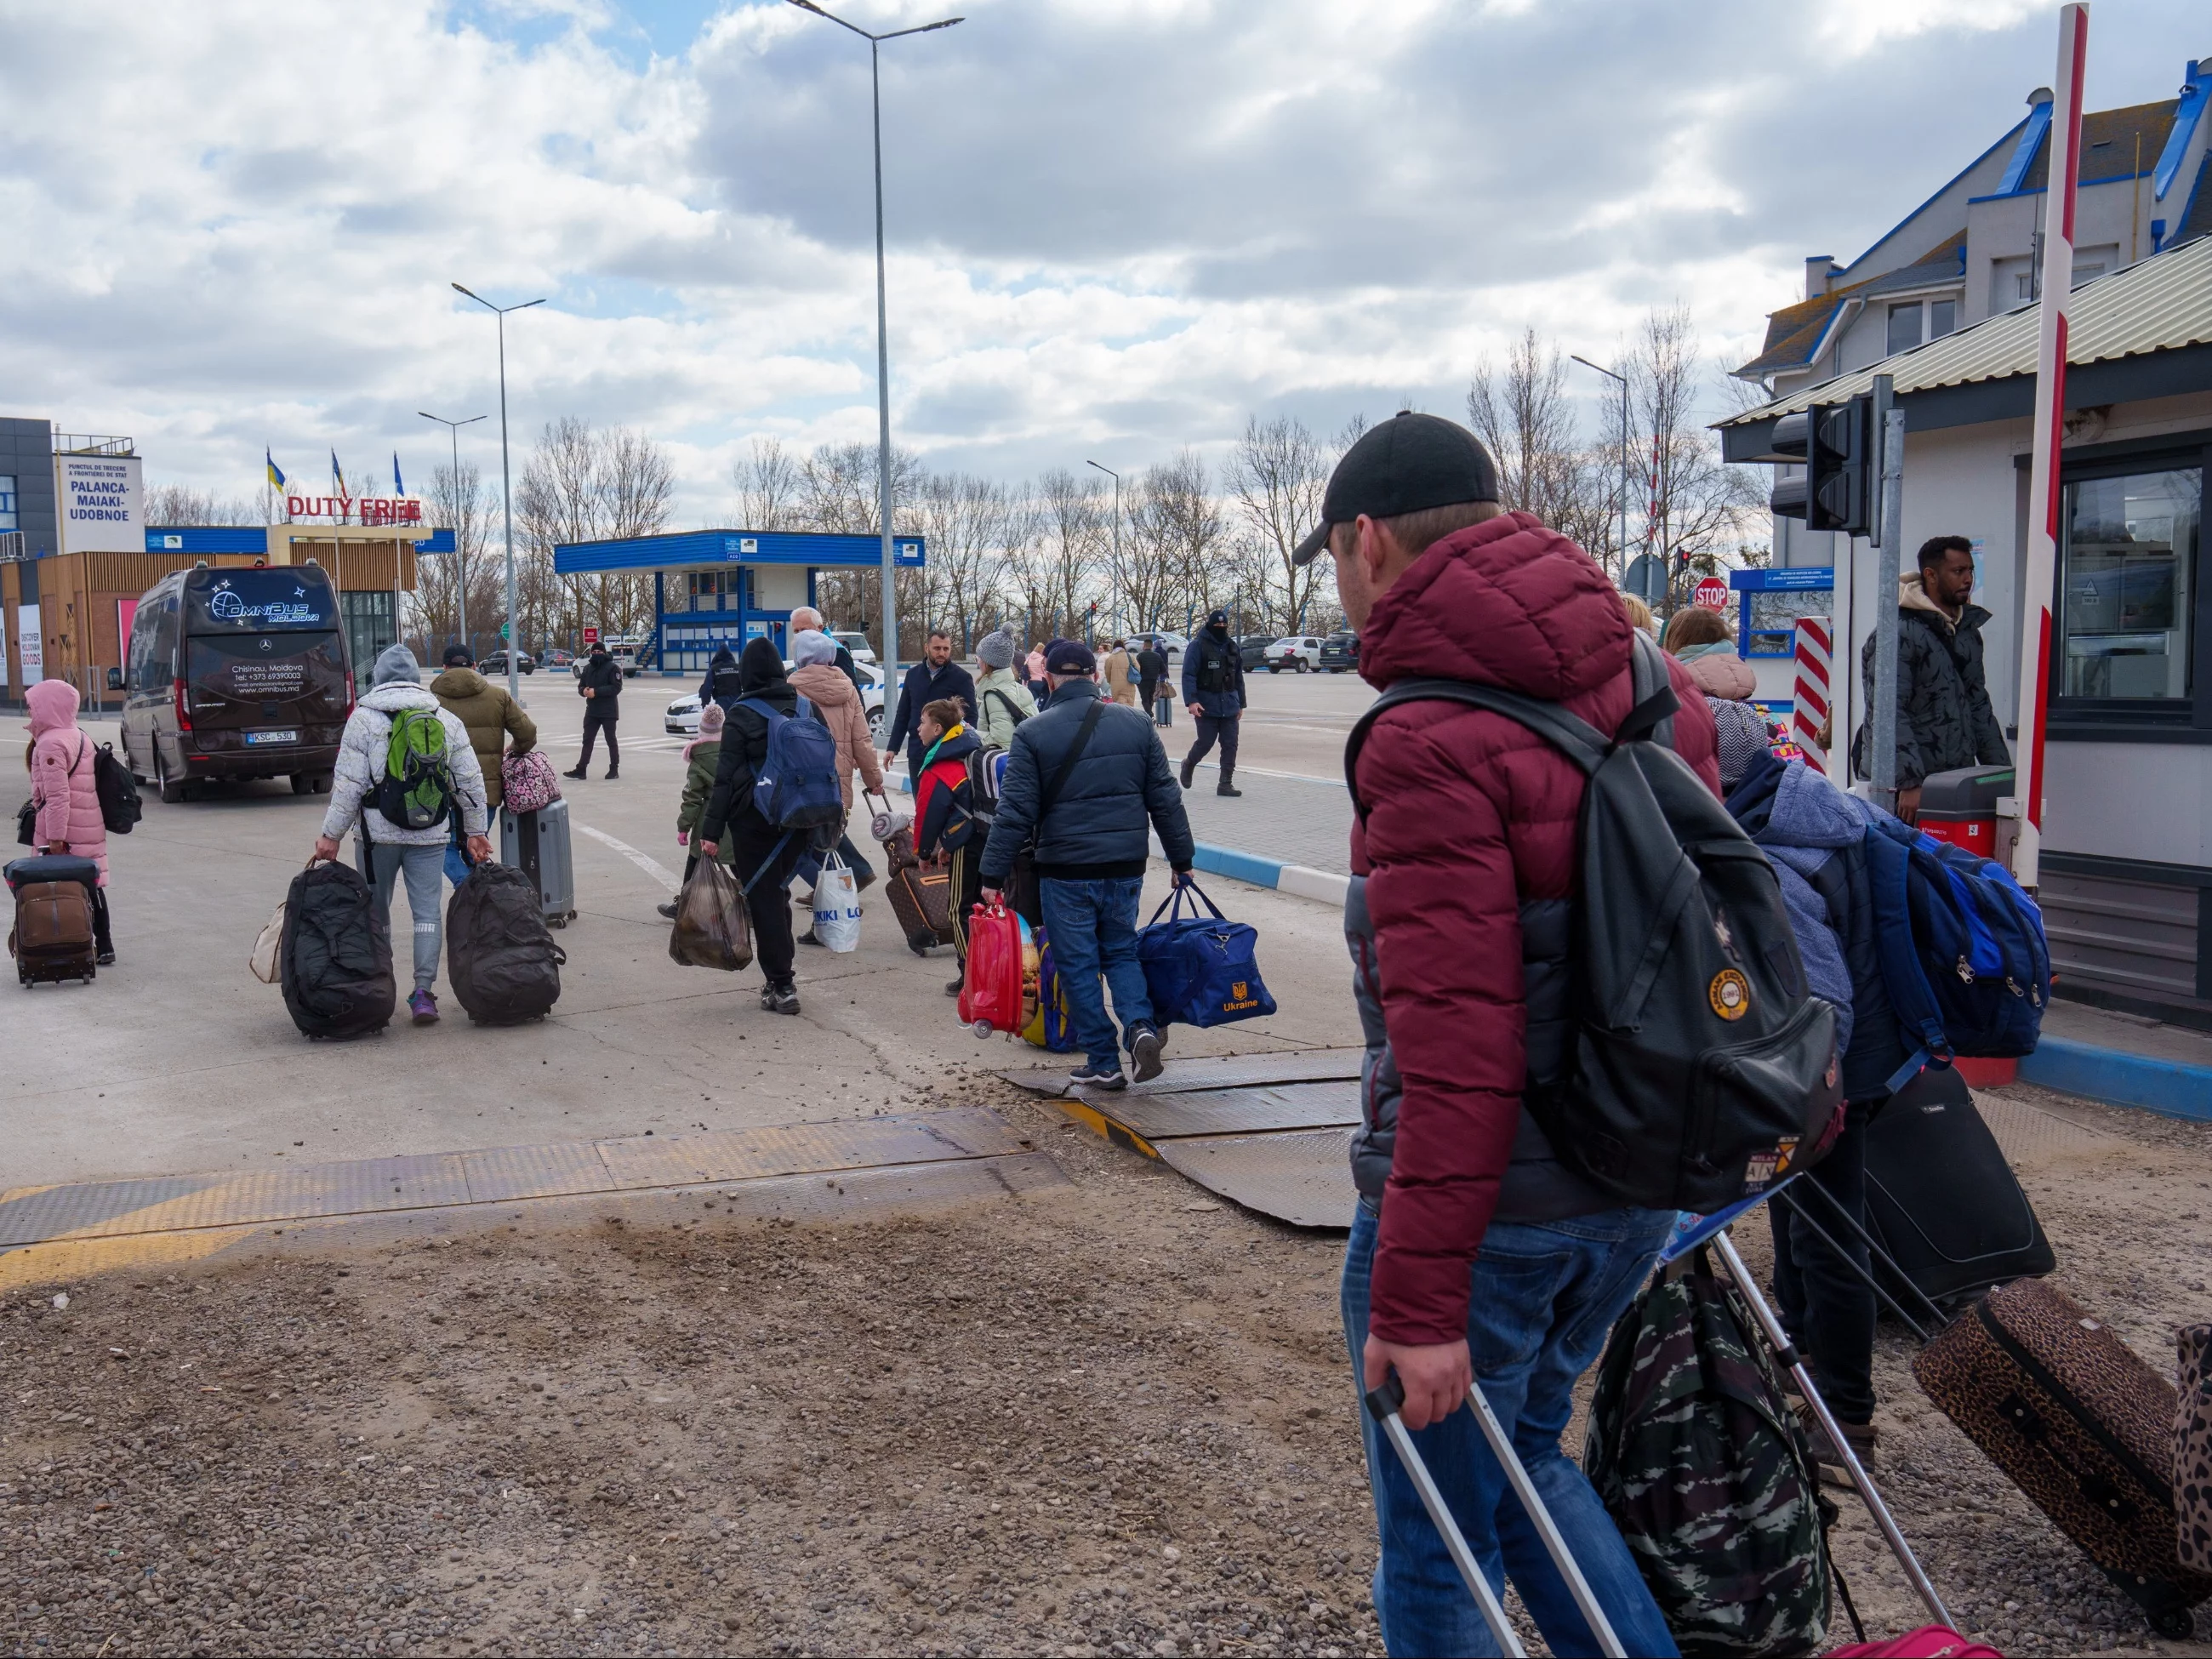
x=1712, y=594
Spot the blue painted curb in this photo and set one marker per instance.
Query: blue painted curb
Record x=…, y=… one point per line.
x=1237, y=867
x=2120, y=1078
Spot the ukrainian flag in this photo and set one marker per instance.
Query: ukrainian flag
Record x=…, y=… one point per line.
x=275, y=473
x=398, y=488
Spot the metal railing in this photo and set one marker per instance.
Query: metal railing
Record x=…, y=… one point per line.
x=92, y=443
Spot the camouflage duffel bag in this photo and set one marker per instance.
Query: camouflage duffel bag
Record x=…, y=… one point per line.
x=1705, y=1471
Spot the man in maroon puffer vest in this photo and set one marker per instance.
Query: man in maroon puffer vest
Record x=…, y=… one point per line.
x=1474, y=1253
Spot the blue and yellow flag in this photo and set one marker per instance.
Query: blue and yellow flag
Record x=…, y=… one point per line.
x=275, y=473
x=398, y=488
x=337, y=477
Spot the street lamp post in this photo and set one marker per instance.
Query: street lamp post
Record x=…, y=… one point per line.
x=883, y=327
x=461, y=542
x=1623, y=379
x=506, y=487
x=1116, y=477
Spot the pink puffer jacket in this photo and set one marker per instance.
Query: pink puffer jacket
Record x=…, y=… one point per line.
x=61, y=776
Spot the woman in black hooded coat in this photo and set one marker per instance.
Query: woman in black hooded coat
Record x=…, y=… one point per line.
x=759, y=860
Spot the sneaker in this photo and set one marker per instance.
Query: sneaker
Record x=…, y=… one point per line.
x=667, y=910
x=954, y=987
x=1098, y=1077
x=807, y=937
x=104, y=959
x=779, y=997
x=1144, y=1049
x=424, y=1008
x=1863, y=1437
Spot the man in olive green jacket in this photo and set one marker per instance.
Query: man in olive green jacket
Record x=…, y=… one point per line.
x=491, y=716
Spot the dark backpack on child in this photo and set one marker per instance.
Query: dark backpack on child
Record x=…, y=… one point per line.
x=1963, y=953
x=1702, y=1071
x=335, y=961
x=119, y=806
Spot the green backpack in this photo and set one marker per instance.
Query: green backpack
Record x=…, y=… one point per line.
x=417, y=789
x=1703, y=1469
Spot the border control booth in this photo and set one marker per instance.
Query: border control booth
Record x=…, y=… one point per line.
x=717, y=589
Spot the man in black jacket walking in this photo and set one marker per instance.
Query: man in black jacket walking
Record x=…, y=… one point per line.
x=1944, y=720
x=601, y=686
x=764, y=856
x=1213, y=688
x=936, y=676
x=1084, y=780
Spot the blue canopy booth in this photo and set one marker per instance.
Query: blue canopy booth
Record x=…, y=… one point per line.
x=714, y=589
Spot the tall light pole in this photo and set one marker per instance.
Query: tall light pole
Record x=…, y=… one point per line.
x=1116, y=477
x=506, y=487
x=883, y=327
x=460, y=542
x=1623, y=379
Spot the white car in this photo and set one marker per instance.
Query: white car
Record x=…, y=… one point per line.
x=1171, y=644
x=681, y=718
x=858, y=645
x=1300, y=652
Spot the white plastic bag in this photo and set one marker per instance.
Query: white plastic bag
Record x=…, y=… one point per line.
x=267, y=946
x=837, y=905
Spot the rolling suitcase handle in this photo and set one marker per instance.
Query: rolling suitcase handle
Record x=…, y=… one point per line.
x=1778, y=1341
x=1383, y=1403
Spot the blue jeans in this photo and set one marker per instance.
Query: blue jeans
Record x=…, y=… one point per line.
x=425, y=868
x=1544, y=1297
x=1091, y=926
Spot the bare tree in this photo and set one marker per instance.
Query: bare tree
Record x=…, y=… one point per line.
x=180, y=504
x=966, y=521
x=1071, y=546
x=1278, y=475
x=581, y=485
x=768, y=487
x=1179, y=526
x=463, y=503
x=837, y=492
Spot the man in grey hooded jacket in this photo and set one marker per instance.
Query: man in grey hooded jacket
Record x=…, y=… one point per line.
x=396, y=686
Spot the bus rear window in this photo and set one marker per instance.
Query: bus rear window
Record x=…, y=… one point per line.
x=258, y=601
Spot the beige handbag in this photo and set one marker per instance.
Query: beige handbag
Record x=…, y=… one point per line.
x=268, y=947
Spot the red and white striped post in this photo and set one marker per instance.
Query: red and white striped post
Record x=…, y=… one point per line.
x=2039, y=576
x=1809, y=699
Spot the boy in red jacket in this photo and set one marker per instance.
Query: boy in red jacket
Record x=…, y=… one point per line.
x=1474, y=1252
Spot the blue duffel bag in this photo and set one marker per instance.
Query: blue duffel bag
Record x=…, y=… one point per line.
x=1201, y=969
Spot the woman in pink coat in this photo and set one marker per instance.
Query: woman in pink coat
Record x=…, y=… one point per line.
x=67, y=797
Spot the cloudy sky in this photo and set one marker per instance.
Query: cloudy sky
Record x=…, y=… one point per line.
x=1116, y=226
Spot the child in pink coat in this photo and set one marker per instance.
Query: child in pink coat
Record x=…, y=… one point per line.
x=65, y=794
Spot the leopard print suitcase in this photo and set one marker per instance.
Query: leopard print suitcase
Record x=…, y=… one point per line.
x=2192, y=1448
x=2081, y=1425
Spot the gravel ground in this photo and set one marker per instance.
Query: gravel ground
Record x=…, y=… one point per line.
x=1113, y=1419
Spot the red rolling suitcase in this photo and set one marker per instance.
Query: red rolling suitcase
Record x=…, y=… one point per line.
x=991, y=993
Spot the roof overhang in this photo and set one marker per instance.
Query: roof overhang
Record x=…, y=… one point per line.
x=695, y=549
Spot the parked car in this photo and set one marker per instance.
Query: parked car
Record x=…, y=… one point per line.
x=682, y=718
x=630, y=656
x=1339, y=652
x=1170, y=647
x=857, y=644
x=557, y=658
x=1298, y=652
x=495, y=664
x=1252, y=648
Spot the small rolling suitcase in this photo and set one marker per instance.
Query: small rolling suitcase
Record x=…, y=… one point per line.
x=52, y=939
x=991, y=996
x=921, y=896
x=536, y=844
x=2081, y=1426
x=1941, y=1201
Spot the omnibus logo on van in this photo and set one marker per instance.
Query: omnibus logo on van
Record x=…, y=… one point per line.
x=227, y=605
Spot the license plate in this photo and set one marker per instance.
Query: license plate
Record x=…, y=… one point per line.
x=273, y=736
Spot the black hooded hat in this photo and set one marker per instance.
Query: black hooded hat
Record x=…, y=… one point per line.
x=761, y=666
x=723, y=658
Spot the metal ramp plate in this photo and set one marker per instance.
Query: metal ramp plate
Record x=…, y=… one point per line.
x=1234, y=1111
x=1213, y=1072
x=1303, y=1176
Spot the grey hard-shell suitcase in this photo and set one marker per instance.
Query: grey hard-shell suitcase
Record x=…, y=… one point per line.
x=536, y=844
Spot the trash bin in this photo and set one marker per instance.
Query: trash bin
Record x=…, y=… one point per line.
x=1961, y=806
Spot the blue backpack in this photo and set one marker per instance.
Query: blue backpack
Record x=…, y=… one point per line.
x=797, y=788
x=1963, y=953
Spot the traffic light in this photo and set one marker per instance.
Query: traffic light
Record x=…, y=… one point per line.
x=1835, y=442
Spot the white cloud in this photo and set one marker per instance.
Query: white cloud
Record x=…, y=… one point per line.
x=1114, y=226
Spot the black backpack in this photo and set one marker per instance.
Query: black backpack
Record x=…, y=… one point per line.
x=119, y=806
x=335, y=963
x=1701, y=1071
x=504, y=966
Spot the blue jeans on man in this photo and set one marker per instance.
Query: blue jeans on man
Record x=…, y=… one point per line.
x=1091, y=926
x=1544, y=1296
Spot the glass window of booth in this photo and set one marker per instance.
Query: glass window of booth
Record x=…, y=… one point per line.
x=2128, y=585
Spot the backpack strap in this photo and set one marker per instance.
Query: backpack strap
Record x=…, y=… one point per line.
x=1657, y=705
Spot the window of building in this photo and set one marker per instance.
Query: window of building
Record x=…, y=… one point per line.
x=705, y=589
x=2128, y=585
x=1770, y=619
x=1903, y=327
x=2024, y=285
x=1942, y=318
x=8, y=503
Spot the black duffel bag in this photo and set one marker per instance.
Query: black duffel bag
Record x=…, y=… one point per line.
x=504, y=965
x=335, y=965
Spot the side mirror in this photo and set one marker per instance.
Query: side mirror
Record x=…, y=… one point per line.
x=115, y=679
